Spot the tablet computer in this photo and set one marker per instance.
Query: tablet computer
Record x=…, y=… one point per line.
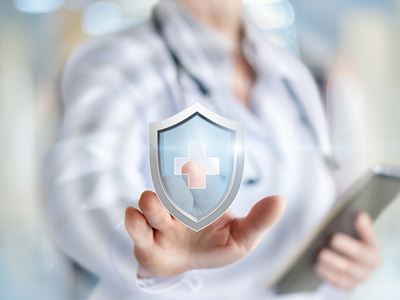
x=371, y=193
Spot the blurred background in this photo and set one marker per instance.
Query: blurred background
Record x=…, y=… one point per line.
x=351, y=46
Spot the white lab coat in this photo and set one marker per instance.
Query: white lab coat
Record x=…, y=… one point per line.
x=115, y=86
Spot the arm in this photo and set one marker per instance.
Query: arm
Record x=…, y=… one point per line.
x=93, y=171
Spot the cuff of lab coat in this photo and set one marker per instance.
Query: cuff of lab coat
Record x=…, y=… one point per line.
x=330, y=292
x=159, y=285
x=325, y=291
x=126, y=266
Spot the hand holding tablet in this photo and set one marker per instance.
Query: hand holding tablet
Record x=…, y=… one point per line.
x=371, y=193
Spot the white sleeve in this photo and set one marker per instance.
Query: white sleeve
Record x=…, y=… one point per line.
x=330, y=292
x=95, y=170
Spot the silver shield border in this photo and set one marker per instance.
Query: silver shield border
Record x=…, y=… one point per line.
x=237, y=172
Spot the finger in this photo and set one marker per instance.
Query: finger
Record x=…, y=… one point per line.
x=196, y=175
x=179, y=191
x=262, y=216
x=203, y=188
x=355, y=249
x=365, y=229
x=334, y=277
x=154, y=212
x=138, y=229
x=343, y=265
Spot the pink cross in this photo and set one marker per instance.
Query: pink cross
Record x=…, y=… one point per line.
x=197, y=153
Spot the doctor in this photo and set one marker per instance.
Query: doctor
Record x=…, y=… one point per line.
x=114, y=86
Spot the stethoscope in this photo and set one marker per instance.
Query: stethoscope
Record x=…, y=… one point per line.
x=329, y=160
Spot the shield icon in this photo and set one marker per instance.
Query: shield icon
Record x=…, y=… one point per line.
x=196, y=162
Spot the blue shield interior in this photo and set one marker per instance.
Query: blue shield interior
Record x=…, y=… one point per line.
x=176, y=143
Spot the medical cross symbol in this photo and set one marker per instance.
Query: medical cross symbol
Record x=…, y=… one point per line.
x=197, y=153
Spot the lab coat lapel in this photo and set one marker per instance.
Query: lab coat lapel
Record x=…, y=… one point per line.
x=297, y=78
x=183, y=42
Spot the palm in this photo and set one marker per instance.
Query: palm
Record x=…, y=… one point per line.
x=166, y=248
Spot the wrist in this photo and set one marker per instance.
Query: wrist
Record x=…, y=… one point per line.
x=143, y=273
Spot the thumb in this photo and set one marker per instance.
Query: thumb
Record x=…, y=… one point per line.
x=264, y=214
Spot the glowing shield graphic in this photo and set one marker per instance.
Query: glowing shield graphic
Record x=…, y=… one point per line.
x=196, y=161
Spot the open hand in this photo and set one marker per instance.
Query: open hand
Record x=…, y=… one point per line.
x=351, y=261
x=165, y=248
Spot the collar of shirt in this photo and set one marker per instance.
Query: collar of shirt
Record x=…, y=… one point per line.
x=216, y=47
x=199, y=48
x=207, y=55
